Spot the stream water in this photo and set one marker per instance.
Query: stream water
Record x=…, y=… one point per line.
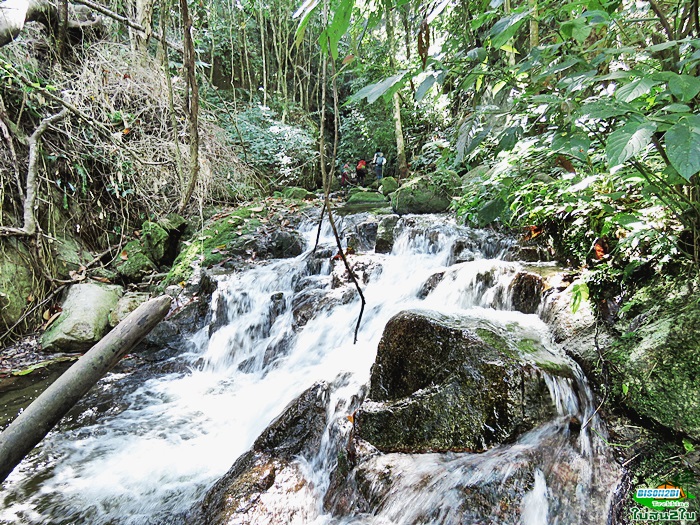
x=145, y=445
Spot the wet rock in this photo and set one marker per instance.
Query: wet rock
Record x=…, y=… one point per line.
x=385, y=234
x=526, y=292
x=299, y=428
x=84, y=320
x=282, y=244
x=430, y=285
x=366, y=235
x=264, y=485
x=534, y=253
x=436, y=385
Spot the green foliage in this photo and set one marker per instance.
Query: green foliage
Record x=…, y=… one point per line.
x=285, y=153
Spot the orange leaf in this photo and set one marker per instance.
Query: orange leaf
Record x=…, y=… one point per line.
x=348, y=59
x=124, y=255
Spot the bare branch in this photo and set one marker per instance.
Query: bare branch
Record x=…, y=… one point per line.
x=30, y=228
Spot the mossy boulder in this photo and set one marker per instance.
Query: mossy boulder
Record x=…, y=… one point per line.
x=135, y=263
x=127, y=303
x=436, y=385
x=297, y=193
x=154, y=241
x=420, y=195
x=229, y=235
x=69, y=255
x=658, y=362
x=16, y=281
x=367, y=197
x=84, y=319
x=388, y=185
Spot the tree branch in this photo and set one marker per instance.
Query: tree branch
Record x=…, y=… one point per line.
x=30, y=228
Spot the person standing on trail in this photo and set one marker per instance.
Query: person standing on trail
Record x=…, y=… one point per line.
x=379, y=162
x=361, y=171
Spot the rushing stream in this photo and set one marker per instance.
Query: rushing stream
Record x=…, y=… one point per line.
x=143, y=448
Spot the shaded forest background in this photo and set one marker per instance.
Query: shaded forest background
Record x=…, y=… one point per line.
x=573, y=122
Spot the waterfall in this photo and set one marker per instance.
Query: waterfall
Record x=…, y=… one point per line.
x=143, y=448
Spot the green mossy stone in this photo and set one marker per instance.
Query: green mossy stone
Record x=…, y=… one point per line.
x=16, y=281
x=137, y=263
x=367, y=197
x=389, y=185
x=660, y=364
x=154, y=240
x=217, y=241
x=297, y=193
x=419, y=196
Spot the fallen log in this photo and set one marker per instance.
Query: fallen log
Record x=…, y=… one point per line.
x=30, y=427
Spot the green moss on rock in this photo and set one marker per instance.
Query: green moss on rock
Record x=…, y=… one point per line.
x=420, y=195
x=135, y=263
x=659, y=363
x=366, y=197
x=389, y=185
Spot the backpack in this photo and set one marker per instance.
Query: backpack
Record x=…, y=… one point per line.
x=380, y=160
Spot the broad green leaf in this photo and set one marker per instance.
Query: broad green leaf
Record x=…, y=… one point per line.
x=604, y=109
x=424, y=87
x=635, y=89
x=574, y=145
x=506, y=27
x=478, y=54
x=374, y=91
x=676, y=108
x=579, y=293
x=685, y=87
x=662, y=47
x=683, y=146
x=578, y=29
x=628, y=141
x=307, y=10
x=339, y=25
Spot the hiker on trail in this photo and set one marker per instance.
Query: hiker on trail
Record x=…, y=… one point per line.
x=361, y=171
x=379, y=162
x=345, y=176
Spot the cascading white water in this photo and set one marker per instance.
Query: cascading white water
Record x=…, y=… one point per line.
x=176, y=433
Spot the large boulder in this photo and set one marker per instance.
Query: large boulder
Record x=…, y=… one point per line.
x=445, y=383
x=658, y=365
x=265, y=485
x=420, y=195
x=16, y=281
x=388, y=185
x=84, y=320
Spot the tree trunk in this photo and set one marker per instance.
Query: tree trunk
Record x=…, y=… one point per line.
x=401, y=162
x=30, y=427
x=191, y=102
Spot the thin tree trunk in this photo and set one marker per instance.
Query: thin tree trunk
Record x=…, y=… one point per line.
x=401, y=162
x=534, y=25
x=191, y=102
x=165, y=9
x=261, y=24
